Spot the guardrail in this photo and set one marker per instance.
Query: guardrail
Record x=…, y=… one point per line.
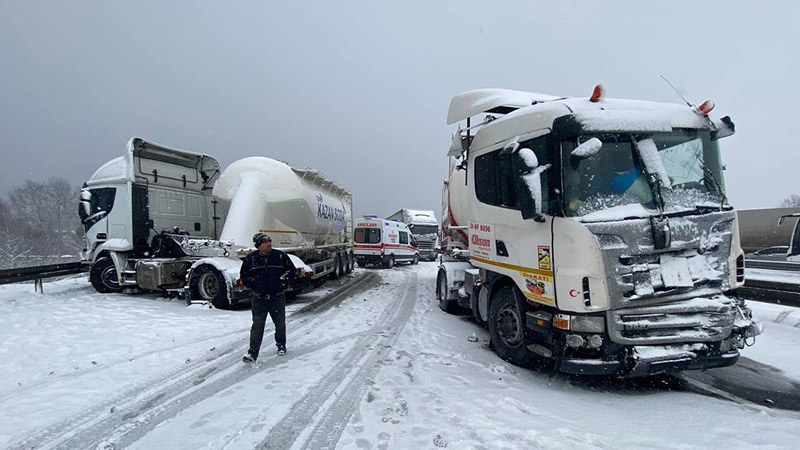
x=771, y=291
x=772, y=265
x=39, y=273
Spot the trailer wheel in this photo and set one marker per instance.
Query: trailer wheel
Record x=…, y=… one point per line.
x=342, y=264
x=103, y=276
x=507, y=327
x=207, y=283
x=337, y=262
x=350, y=263
x=445, y=304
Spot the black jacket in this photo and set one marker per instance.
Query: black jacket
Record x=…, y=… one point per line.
x=267, y=274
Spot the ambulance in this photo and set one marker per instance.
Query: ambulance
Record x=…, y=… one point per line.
x=385, y=242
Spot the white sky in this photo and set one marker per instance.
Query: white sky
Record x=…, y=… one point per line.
x=360, y=90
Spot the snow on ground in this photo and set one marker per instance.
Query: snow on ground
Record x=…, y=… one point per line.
x=779, y=345
x=384, y=369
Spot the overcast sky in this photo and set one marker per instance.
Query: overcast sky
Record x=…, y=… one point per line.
x=360, y=90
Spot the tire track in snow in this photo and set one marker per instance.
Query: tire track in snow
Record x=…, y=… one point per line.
x=331, y=402
x=101, y=420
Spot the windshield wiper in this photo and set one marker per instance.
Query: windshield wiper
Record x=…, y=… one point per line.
x=708, y=175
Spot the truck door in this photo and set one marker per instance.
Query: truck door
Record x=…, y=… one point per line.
x=485, y=180
x=523, y=247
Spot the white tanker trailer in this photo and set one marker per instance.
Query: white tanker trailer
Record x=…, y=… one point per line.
x=163, y=219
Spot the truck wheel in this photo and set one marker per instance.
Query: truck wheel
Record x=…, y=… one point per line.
x=390, y=262
x=350, y=263
x=507, y=327
x=104, y=276
x=342, y=264
x=415, y=261
x=207, y=283
x=337, y=262
x=445, y=304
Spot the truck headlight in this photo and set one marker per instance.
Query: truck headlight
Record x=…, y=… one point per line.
x=588, y=324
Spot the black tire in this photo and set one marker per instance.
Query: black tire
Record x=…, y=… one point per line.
x=445, y=304
x=337, y=263
x=207, y=283
x=390, y=262
x=103, y=276
x=342, y=264
x=361, y=264
x=415, y=261
x=350, y=263
x=507, y=327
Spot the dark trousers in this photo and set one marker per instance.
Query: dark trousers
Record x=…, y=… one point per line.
x=275, y=306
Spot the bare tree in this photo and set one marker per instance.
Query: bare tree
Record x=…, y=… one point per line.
x=44, y=216
x=791, y=202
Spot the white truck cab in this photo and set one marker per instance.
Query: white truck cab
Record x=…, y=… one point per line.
x=382, y=241
x=594, y=232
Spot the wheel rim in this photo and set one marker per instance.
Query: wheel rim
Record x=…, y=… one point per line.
x=208, y=286
x=509, y=326
x=109, y=277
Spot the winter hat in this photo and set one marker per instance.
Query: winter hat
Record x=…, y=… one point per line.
x=259, y=238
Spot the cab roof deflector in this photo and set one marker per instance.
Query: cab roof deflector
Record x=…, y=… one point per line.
x=501, y=101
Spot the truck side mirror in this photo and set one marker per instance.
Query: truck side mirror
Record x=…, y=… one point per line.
x=85, y=205
x=529, y=183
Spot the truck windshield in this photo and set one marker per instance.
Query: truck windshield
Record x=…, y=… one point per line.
x=367, y=236
x=95, y=204
x=417, y=230
x=616, y=176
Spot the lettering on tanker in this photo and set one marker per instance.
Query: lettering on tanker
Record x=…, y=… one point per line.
x=328, y=212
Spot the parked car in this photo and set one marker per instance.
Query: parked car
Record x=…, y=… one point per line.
x=776, y=253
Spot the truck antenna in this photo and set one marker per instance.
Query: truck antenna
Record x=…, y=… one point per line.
x=676, y=91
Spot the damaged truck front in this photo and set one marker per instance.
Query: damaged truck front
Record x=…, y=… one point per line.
x=595, y=232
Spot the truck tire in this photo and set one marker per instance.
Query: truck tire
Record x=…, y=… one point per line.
x=342, y=264
x=207, y=283
x=445, y=304
x=507, y=327
x=337, y=263
x=415, y=261
x=389, y=262
x=350, y=263
x=103, y=276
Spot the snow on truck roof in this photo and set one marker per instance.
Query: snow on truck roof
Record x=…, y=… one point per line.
x=122, y=168
x=529, y=112
x=477, y=101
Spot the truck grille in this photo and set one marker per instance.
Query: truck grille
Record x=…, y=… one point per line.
x=693, y=320
x=695, y=264
x=426, y=245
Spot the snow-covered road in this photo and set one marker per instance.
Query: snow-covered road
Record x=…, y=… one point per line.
x=381, y=368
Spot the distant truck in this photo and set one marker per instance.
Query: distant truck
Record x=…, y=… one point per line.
x=169, y=220
x=593, y=232
x=424, y=227
x=382, y=241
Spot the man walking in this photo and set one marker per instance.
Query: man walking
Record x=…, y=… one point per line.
x=267, y=272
